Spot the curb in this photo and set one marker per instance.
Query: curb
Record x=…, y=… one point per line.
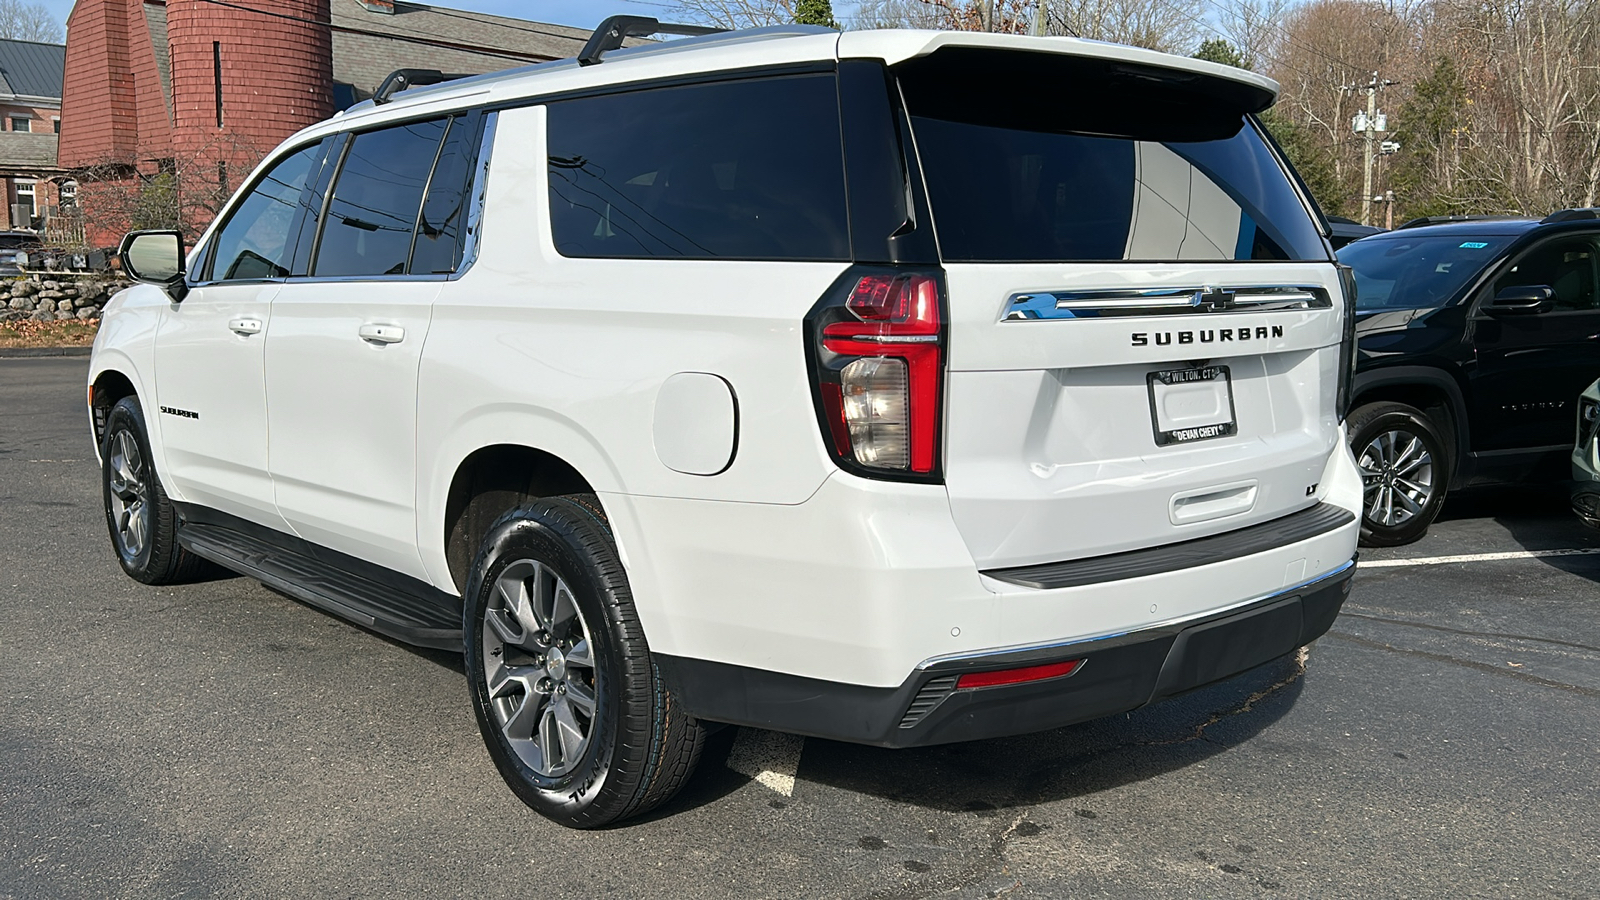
x=34, y=352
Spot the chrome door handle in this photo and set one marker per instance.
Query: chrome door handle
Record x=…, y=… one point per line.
x=245, y=325
x=382, y=334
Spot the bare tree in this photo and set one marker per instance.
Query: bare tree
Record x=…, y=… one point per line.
x=897, y=14
x=21, y=21
x=1252, y=26
x=739, y=13
x=1172, y=25
x=184, y=193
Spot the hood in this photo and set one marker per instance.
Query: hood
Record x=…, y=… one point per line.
x=1377, y=321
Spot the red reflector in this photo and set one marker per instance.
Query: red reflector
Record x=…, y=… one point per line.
x=1017, y=676
x=833, y=411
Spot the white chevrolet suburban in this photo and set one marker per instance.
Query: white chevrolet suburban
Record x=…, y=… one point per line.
x=827, y=383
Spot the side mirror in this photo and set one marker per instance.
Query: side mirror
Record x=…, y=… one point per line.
x=1522, y=298
x=156, y=257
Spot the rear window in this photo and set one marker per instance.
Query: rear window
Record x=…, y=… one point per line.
x=1120, y=165
x=729, y=170
x=1417, y=271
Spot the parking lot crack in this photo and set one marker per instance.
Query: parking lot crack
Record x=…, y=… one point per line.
x=1249, y=703
x=1466, y=633
x=1467, y=663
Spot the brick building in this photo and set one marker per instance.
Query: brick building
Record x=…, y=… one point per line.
x=187, y=95
x=30, y=119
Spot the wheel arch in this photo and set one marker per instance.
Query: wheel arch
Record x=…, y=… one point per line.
x=489, y=481
x=107, y=385
x=1428, y=389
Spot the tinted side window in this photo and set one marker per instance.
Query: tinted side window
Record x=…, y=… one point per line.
x=1565, y=265
x=376, y=198
x=255, y=241
x=438, y=244
x=738, y=170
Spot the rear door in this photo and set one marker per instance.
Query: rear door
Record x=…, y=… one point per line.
x=346, y=340
x=1145, y=320
x=1532, y=367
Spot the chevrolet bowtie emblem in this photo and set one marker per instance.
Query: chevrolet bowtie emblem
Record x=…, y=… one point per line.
x=1214, y=299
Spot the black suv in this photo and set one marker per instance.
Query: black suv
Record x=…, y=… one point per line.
x=1476, y=336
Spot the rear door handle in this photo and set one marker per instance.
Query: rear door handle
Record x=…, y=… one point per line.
x=382, y=334
x=245, y=325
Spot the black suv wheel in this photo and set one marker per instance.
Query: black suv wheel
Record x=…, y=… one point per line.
x=1404, y=467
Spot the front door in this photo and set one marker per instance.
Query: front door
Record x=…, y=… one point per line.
x=210, y=388
x=1532, y=367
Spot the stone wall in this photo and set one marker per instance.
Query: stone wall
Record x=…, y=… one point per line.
x=42, y=299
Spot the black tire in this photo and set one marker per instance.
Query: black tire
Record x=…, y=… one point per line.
x=1405, y=472
x=140, y=518
x=640, y=747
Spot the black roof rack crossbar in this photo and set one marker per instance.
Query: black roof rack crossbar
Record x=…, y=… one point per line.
x=400, y=79
x=613, y=31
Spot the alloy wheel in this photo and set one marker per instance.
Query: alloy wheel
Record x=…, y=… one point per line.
x=130, y=495
x=538, y=662
x=1397, y=475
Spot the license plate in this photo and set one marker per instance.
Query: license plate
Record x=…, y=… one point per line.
x=1191, y=404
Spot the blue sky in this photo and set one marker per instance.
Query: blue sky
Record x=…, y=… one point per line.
x=578, y=13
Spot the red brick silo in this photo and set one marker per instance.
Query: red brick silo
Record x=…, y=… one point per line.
x=245, y=75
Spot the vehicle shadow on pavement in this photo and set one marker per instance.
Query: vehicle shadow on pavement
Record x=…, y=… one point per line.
x=1536, y=517
x=984, y=777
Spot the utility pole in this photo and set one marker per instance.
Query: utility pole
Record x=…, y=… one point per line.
x=1369, y=125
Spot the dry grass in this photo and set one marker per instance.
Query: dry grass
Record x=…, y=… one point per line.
x=28, y=333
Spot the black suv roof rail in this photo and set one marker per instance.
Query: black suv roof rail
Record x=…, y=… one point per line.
x=1571, y=215
x=1440, y=220
x=614, y=30
x=400, y=79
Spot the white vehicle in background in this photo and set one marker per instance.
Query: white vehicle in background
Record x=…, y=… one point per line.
x=802, y=380
x=1586, y=458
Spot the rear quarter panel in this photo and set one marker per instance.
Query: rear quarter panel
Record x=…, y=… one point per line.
x=568, y=356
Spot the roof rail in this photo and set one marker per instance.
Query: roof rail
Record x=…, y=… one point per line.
x=1440, y=220
x=1571, y=215
x=400, y=79
x=611, y=33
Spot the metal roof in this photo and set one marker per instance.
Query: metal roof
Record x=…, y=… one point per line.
x=29, y=69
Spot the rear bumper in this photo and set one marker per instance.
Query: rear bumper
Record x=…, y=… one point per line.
x=1118, y=674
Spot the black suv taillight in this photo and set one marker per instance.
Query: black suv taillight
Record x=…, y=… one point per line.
x=1347, y=342
x=1588, y=420
x=876, y=353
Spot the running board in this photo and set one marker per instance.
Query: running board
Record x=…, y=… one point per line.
x=414, y=613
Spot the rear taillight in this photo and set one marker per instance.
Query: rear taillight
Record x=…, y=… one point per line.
x=1588, y=420
x=1347, y=342
x=877, y=362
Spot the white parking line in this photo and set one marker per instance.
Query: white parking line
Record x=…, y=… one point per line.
x=1475, y=557
x=769, y=757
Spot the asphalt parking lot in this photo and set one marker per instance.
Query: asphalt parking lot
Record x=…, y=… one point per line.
x=220, y=739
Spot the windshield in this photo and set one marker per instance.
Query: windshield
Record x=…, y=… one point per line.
x=1419, y=272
